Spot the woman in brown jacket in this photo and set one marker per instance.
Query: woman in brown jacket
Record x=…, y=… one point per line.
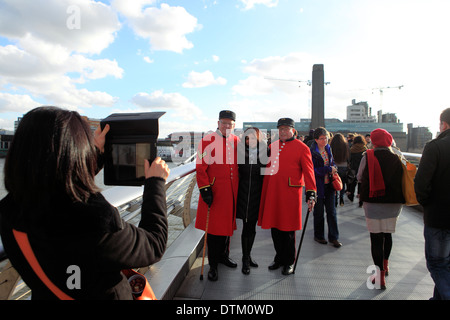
x=49, y=174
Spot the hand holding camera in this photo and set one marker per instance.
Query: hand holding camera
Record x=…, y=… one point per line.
x=100, y=137
x=158, y=168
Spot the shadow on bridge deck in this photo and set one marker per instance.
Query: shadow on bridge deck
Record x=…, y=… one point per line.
x=323, y=272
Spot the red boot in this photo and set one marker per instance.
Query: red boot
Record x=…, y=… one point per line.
x=382, y=279
x=386, y=266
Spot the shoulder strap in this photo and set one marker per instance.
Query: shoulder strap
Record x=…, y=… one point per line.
x=24, y=245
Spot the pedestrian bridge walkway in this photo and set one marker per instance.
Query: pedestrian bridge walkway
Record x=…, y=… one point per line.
x=323, y=272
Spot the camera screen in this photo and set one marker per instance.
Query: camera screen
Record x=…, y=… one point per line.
x=128, y=161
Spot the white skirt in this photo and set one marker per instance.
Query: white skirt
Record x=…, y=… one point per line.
x=381, y=225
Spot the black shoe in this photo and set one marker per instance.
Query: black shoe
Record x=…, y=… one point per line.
x=274, y=266
x=253, y=263
x=245, y=265
x=228, y=262
x=321, y=241
x=287, y=270
x=213, y=275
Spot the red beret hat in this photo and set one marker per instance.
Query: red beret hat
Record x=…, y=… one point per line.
x=381, y=138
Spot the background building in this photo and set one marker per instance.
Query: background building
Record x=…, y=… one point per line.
x=359, y=120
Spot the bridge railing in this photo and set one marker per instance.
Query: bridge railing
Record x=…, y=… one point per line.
x=181, y=196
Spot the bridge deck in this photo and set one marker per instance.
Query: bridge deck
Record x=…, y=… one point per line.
x=323, y=272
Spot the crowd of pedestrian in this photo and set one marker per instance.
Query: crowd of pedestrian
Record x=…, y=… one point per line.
x=270, y=193
x=51, y=165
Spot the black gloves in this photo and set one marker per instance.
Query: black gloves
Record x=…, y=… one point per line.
x=207, y=195
x=310, y=195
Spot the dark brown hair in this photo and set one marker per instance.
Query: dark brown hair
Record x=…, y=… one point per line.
x=339, y=147
x=320, y=131
x=52, y=152
x=252, y=130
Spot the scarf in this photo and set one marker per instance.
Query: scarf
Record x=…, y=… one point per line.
x=376, y=182
x=358, y=147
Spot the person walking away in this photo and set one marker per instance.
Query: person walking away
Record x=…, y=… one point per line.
x=380, y=174
x=52, y=197
x=432, y=188
x=341, y=155
x=324, y=167
x=289, y=169
x=252, y=150
x=218, y=182
x=356, y=152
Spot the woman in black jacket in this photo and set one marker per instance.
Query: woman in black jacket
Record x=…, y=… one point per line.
x=251, y=153
x=380, y=173
x=52, y=197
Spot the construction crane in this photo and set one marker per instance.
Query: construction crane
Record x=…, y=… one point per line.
x=308, y=82
x=381, y=89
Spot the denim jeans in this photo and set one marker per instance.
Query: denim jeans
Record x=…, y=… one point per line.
x=437, y=253
x=319, y=221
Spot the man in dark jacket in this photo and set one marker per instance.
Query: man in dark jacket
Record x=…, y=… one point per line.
x=432, y=186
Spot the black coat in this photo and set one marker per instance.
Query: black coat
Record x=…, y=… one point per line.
x=392, y=171
x=91, y=236
x=250, y=184
x=432, y=182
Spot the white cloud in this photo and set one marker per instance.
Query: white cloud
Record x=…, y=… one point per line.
x=98, y=23
x=16, y=102
x=203, y=79
x=249, y=4
x=45, y=56
x=295, y=65
x=148, y=60
x=42, y=70
x=216, y=58
x=165, y=27
x=276, y=73
x=175, y=102
x=253, y=86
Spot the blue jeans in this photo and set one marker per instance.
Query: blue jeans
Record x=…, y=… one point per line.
x=437, y=253
x=319, y=221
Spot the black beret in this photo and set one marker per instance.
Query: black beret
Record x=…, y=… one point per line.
x=286, y=122
x=227, y=114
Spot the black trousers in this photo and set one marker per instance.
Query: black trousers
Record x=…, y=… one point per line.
x=284, y=243
x=218, y=247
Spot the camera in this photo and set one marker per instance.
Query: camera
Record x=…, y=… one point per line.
x=131, y=139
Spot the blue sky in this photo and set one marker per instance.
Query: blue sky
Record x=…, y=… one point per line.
x=193, y=58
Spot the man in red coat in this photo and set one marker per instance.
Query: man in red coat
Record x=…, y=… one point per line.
x=289, y=169
x=218, y=181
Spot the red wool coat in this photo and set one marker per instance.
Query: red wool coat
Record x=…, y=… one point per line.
x=217, y=167
x=290, y=167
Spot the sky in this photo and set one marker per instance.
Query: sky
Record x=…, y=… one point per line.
x=193, y=58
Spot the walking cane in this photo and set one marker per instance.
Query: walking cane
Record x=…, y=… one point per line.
x=204, y=242
x=301, y=240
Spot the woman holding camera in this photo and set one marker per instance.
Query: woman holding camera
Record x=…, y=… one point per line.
x=52, y=197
